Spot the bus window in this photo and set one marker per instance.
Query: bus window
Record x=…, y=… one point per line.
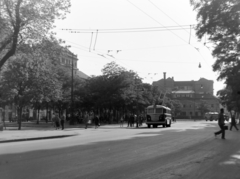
x=159, y=110
x=164, y=110
x=150, y=110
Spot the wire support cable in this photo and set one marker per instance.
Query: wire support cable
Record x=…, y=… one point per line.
x=129, y=30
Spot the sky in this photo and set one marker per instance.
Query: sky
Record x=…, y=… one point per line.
x=147, y=36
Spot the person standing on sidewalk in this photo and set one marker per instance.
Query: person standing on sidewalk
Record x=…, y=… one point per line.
x=121, y=121
x=233, y=122
x=96, y=120
x=86, y=119
x=221, y=124
x=127, y=118
x=62, y=120
x=56, y=121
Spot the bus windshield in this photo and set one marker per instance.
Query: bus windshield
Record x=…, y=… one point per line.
x=157, y=110
x=150, y=110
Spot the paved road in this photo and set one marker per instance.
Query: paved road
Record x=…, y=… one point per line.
x=186, y=150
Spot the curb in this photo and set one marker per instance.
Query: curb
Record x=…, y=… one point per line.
x=37, y=138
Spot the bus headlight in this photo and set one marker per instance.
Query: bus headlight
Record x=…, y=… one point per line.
x=148, y=118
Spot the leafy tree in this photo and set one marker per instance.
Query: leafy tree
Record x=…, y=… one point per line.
x=228, y=99
x=203, y=107
x=29, y=79
x=219, y=21
x=112, y=69
x=27, y=21
x=175, y=105
x=117, y=89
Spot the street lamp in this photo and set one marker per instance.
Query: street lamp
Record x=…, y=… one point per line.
x=72, y=92
x=138, y=90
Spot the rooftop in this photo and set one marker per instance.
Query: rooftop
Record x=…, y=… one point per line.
x=183, y=91
x=82, y=75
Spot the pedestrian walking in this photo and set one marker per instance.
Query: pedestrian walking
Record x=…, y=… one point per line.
x=127, y=118
x=86, y=119
x=56, y=121
x=233, y=122
x=137, y=120
x=221, y=124
x=62, y=120
x=121, y=121
x=96, y=120
x=131, y=120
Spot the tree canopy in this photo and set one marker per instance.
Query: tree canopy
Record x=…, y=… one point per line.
x=219, y=22
x=28, y=22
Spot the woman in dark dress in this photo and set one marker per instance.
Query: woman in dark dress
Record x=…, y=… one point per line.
x=96, y=120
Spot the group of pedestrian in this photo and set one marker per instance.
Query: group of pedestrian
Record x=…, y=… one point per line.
x=89, y=117
x=58, y=121
x=133, y=118
x=222, y=125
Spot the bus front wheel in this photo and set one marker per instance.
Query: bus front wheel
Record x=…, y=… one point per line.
x=169, y=125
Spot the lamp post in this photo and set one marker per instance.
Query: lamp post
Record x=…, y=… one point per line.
x=72, y=92
x=138, y=90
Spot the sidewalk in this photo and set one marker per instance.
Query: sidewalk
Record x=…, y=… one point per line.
x=33, y=131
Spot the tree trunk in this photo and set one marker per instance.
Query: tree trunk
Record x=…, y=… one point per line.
x=19, y=118
x=16, y=31
x=38, y=109
x=47, y=113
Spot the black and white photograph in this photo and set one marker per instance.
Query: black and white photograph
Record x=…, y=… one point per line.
x=119, y=89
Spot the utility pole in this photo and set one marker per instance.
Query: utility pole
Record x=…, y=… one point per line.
x=72, y=92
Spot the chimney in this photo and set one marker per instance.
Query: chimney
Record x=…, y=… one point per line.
x=164, y=78
x=172, y=78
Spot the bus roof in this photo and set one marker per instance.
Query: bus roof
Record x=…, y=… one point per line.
x=212, y=113
x=158, y=106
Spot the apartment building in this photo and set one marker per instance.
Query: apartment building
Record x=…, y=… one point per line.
x=191, y=94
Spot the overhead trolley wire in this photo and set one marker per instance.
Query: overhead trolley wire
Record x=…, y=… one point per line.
x=167, y=15
x=156, y=21
x=128, y=31
x=139, y=29
x=119, y=29
x=169, y=29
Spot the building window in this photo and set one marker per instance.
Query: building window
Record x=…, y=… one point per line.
x=184, y=105
x=212, y=105
x=184, y=113
x=190, y=105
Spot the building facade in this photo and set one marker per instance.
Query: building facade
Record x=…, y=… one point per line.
x=191, y=94
x=69, y=61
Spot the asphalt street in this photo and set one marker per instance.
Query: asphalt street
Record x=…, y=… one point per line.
x=186, y=150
